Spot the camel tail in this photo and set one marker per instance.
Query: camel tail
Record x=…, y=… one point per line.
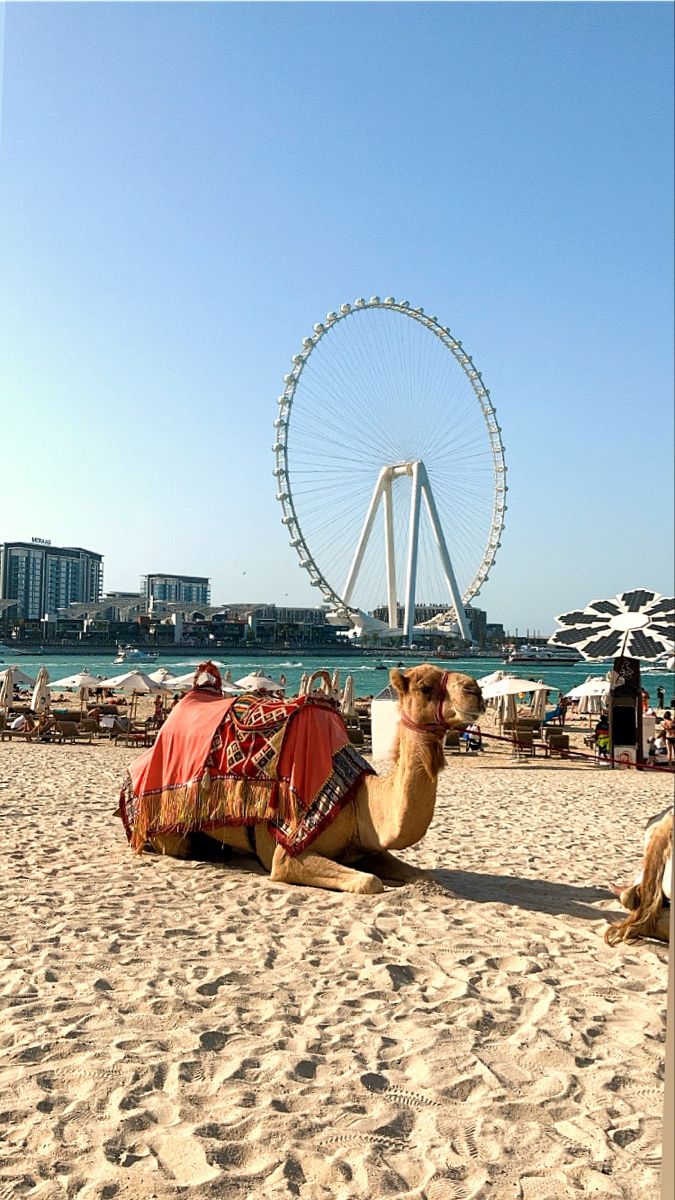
x=643, y=920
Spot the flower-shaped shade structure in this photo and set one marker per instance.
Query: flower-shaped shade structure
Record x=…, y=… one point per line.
x=637, y=624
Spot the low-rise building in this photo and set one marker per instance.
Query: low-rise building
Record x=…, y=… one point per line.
x=170, y=589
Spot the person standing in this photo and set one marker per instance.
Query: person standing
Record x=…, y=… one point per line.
x=668, y=728
x=602, y=737
x=660, y=697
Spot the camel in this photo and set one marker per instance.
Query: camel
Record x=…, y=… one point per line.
x=649, y=895
x=387, y=813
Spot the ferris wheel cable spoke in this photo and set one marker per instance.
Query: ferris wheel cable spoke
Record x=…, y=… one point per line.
x=330, y=425
x=369, y=383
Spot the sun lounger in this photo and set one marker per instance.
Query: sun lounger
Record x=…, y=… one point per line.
x=523, y=743
x=452, y=743
x=69, y=731
x=558, y=745
x=22, y=735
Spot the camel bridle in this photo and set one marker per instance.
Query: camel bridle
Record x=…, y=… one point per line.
x=440, y=725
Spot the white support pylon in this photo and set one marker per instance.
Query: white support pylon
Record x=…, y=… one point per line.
x=421, y=486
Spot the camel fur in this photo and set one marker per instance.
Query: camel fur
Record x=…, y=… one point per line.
x=647, y=897
x=388, y=813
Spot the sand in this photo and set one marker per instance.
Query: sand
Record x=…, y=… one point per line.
x=192, y=1029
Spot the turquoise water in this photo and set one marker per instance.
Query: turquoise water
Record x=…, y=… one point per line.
x=369, y=679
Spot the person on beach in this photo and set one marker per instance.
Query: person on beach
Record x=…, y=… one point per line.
x=24, y=723
x=668, y=730
x=473, y=738
x=602, y=736
x=46, y=727
x=176, y=699
x=645, y=699
x=158, y=715
x=660, y=697
x=563, y=705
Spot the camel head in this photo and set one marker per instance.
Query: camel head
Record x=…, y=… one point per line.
x=431, y=697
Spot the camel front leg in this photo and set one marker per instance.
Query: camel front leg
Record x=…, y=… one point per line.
x=394, y=870
x=313, y=870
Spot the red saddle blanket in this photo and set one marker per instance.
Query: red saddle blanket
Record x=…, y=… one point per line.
x=220, y=762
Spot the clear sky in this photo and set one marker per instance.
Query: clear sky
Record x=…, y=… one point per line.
x=187, y=189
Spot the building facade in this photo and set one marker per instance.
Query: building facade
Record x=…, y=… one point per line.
x=176, y=589
x=43, y=578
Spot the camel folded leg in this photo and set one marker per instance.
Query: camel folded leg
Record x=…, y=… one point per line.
x=176, y=845
x=313, y=870
x=394, y=870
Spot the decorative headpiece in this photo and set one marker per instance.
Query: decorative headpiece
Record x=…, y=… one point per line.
x=207, y=678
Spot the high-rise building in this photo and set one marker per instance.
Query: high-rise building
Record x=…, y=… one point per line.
x=174, y=589
x=43, y=578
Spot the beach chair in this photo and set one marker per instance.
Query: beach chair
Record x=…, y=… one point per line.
x=523, y=743
x=137, y=735
x=453, y=744
x=356, y=734
x=21, y=735
x=558, y=745
x=69, y=731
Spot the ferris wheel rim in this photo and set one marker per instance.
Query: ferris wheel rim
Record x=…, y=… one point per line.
x=280, y=449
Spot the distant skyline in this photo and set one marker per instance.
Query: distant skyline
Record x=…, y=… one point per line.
x=187, y=189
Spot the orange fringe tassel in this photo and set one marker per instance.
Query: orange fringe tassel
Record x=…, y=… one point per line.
x=213, y=802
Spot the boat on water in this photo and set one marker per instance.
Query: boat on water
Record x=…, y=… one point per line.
x=548, y=655
x=133, y=654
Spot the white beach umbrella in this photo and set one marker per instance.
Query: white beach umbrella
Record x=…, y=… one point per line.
x=131, y=682
x=347, y=706
x=539, y=705
x=183, y=683
x=7, y=687
x=492, y=678
x=76, y=683
x=592, y=687
x=590, y=703
x=83, y=682
x=40, y=698
x=179, y=683
x=257, y=682
x=510, y=685
x=19, y=677
x=506, y=708
x=161, y=675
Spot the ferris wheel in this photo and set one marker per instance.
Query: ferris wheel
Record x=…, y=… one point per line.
x=390, y=466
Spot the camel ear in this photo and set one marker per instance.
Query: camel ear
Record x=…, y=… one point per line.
x=399, y=681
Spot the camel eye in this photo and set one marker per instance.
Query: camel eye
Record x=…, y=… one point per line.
x=427, y=691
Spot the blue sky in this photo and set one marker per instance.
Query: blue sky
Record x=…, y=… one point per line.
x=187, y=189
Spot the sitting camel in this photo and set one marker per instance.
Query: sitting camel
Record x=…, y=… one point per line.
x=650, y=895
x=383, y=814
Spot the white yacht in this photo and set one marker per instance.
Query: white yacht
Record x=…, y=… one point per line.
x=133, y=654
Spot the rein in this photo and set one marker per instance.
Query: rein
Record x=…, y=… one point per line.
x=437, y=726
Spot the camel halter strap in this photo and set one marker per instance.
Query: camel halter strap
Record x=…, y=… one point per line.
x=439, y=725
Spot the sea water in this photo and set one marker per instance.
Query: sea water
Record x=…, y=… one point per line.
x=370, y=674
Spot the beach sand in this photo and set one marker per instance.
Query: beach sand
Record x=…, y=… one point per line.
x=192, y=1029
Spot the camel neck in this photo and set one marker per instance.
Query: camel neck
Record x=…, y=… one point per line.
x=401, y=804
